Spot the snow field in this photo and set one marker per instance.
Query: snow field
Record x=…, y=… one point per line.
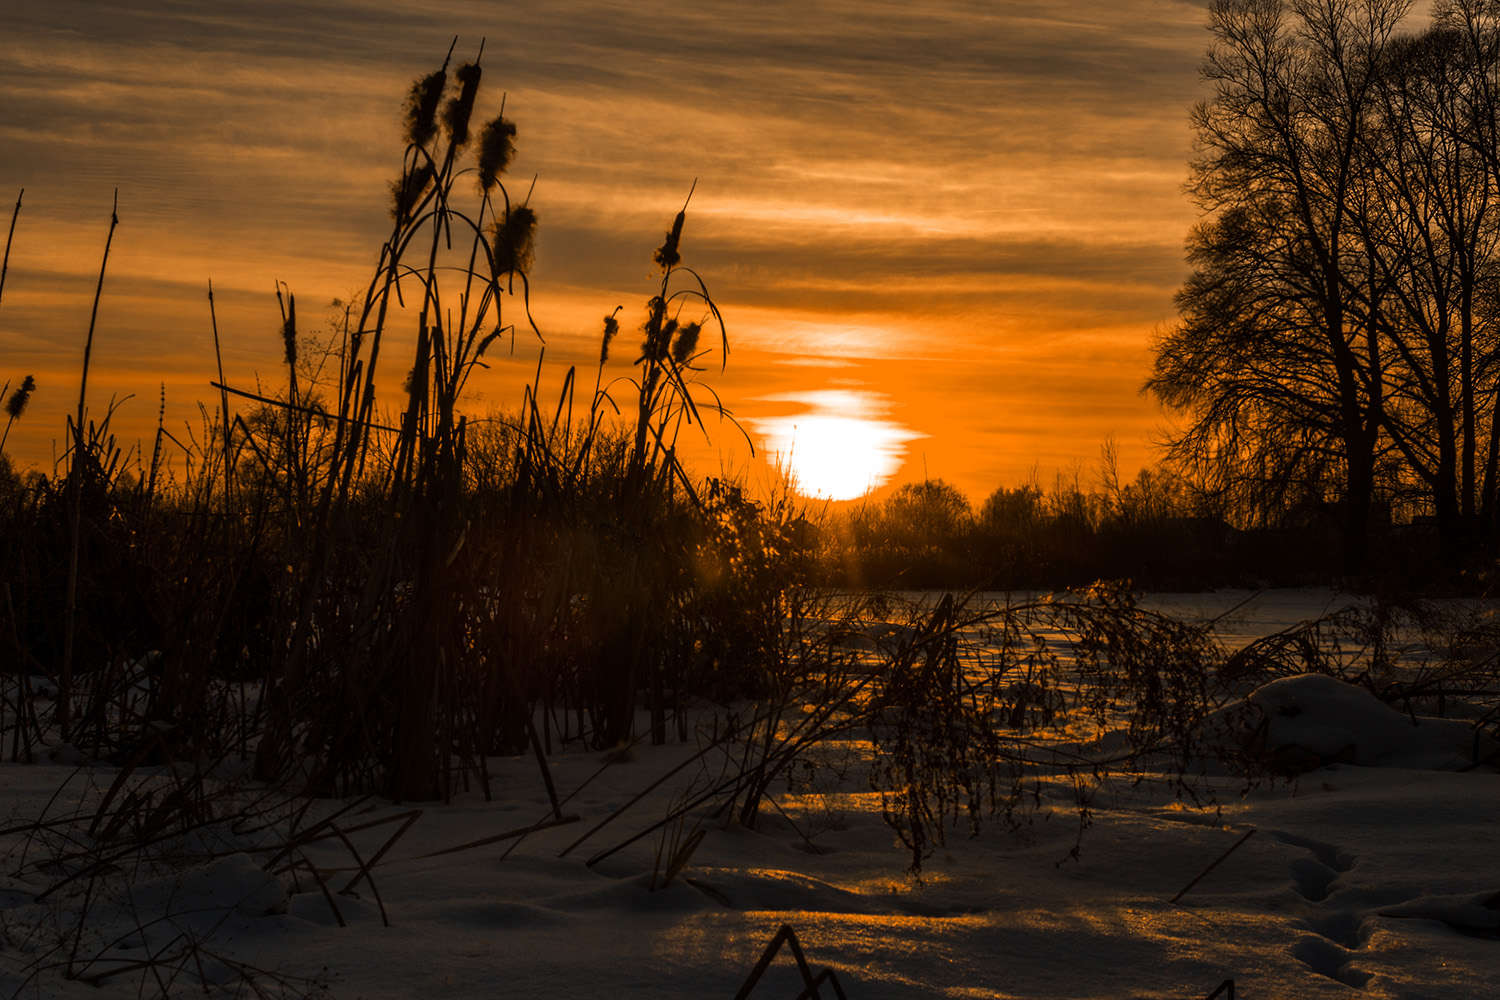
x=1373, y=876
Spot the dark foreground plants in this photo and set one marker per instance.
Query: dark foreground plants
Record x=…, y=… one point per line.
x=435, y=622
x=365, y=596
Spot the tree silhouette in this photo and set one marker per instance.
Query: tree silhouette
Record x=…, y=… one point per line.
x=1336, y=335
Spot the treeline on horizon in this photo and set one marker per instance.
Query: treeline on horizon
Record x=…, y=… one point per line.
x=1156, y=532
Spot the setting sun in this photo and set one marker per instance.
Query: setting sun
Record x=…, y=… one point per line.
x=841, y=449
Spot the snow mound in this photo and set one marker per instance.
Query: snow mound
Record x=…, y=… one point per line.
x=234, y=883
x=1474, y=914
x=1309, y=720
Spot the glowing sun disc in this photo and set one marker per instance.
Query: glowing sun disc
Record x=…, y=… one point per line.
x=835, y=457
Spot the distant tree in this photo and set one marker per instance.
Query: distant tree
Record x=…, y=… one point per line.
x=1013, y=511
x=930, y=513
x=1433, y=232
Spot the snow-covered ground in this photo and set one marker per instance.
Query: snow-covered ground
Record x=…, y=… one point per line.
x=1375, y=878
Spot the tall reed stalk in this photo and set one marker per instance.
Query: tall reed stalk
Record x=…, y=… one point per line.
x=78, y=469
x=10, y=235
x=17, y=402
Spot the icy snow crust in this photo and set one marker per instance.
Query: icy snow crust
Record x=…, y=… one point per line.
x=1374, y=877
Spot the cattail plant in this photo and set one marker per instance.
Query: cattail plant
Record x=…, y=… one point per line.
x=460, y=108
x=422, y=104
x=497, y=145
x=649, y=600
x=454, y=294
x=511, y=239
x=611, y=330
x=15, y=405
x=665, y=393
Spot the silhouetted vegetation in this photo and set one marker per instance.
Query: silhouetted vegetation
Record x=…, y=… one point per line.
x=356, y=600
x=406, y=592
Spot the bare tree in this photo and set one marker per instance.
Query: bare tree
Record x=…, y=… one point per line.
x=1340, y=331
x=1276, y=366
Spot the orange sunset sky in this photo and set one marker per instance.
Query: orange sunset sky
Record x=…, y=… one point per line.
x=943, y=232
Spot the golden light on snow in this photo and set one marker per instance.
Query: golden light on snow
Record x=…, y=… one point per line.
x=841, y=449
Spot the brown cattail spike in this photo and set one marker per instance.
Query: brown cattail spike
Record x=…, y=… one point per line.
x=667, y=256
x=687, y=343
x=611, y=327
x=421, y=107
x=460, y=109
x=16, y=404
x=656, y=311
x=513, y=241
x=289, y=329
x=496, y=148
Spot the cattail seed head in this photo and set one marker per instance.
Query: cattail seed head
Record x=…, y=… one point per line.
x=656, y=312
x=458, y=110
x=687, y=343
x=496, y=148
x=667, y=255
x=513, y=239
x=16, y=404
x=421, y=107
x=611, y=327
x=289, y=330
